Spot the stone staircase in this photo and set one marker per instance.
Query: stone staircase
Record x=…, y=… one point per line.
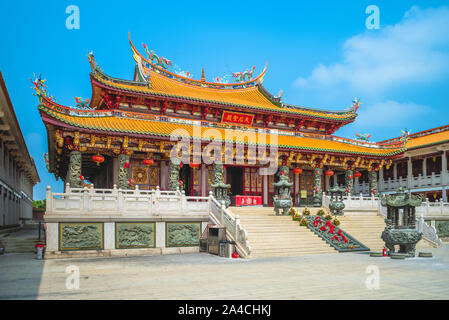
x=271, y=235
x=366, y=228
x=18, y=245
x=20, y=241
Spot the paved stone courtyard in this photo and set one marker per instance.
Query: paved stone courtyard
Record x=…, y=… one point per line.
x=203, y=276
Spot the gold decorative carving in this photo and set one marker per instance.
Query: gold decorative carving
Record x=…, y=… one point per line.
x=139, y=175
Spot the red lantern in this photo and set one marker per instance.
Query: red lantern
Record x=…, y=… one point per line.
x=98, y=159
x=148, y=162
x=329, y=173
x=297, y=171
x=194, y=165
x=357, y=174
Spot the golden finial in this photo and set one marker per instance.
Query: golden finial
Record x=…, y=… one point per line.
x=203, y=78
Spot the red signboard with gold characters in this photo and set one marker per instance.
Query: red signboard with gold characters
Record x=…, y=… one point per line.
x=237, y=118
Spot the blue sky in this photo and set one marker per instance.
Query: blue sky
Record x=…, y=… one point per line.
x=320, y=55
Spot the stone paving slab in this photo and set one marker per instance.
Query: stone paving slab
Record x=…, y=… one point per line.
x=201, y=276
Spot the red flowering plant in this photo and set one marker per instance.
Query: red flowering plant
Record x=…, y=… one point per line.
x=329, y=231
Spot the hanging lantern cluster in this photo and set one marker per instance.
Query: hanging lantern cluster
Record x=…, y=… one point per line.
x=297, y=171
x=329, y=173
x=98, y=159
x=357, y=174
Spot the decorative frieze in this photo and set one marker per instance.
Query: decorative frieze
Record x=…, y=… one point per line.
x=80, y=236
x=134, y=235
x=182, y=234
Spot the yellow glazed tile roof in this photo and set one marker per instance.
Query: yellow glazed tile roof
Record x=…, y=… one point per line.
x=250, y=97
x=429, y=139
x=126, y=125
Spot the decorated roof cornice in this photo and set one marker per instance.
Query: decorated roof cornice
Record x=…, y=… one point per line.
x=141, y=88
x=160, y=65
x=119, y=122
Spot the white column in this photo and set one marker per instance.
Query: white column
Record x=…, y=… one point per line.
x=444, y=173
x=409, y=173
x=163, y=175
x=380, y=185
x=395, y=171
x=115, y=170
x=160, y=235
x=296, y=184
x=265, y=190
x=424, y=167
x=203, y=180
x=52, y=236
x=109, y=235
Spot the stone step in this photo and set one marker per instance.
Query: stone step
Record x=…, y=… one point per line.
x=322, y=249
x=296, y=246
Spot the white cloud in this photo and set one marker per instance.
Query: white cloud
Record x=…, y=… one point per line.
x=390, y=114
x=416, y=50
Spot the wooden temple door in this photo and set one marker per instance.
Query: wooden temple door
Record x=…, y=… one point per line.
x=305, y=188
x=146, y=177
x=252, y=182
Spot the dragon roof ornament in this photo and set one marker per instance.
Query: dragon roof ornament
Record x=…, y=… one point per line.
x=40, y=87
x=160, y=65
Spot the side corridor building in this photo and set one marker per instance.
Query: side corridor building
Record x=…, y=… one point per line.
x=18, y=172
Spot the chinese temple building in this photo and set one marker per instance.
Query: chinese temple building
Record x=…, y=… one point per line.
x=124, y=135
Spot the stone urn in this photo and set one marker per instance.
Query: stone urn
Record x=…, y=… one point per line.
x=220, y=188
x=400, y=223
x=336, y=205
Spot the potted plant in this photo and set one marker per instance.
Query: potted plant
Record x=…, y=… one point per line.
x=306, y=212
x=296, y=216
x=336, y=222
x=303, y=222
x=328, y=216
x=320, y=212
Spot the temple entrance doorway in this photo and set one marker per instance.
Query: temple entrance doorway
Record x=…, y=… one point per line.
x=185, y=177
x=235, y=179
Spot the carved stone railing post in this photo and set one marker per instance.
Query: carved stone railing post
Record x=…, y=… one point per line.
x=75, y=169
x=222, y=212
x=237, y=224
x=183, y=202
x=86, y=197
x=115, y=195
x=211, y=195
x=120, y=200
x=123, y=171
x=49, y=201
